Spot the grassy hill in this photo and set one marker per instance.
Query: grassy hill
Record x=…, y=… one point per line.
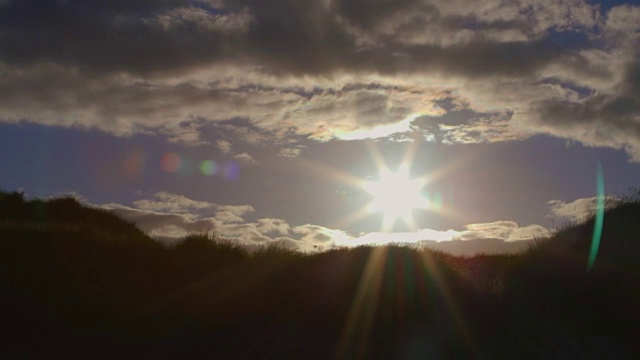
x=81, y=282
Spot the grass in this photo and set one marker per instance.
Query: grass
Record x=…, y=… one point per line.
x=81, y=282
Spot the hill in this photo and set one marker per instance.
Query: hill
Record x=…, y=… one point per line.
x=79, y=282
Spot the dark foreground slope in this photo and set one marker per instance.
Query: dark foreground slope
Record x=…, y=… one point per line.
x=80, y=282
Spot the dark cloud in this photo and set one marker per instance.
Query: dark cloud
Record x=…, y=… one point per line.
x=369, y=14
x=318, y=37
x=478, y=59
x=293, y=36
x=631, y=82
x=609, y=119
x=461, y=124
x=325, y=69
x=99, y=35
x=455, y=116
x=285, y=36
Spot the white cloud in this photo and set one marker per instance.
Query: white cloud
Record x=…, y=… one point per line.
x=578, y=210
x=289, y=152
x=378, y=238
x=503, y=230
x=236, y=209
x=245, y=158
x=171, y=216
x=228, y=217
x=622, y=21
x=232, y=213
x=224, y=146
x=269, y=225
x=320, y=235
x=158, y=224
x=229, y=222
x=171, y=203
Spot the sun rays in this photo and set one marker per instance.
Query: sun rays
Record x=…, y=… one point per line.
x=396, y=195
x=396, y=191
x=391, y=279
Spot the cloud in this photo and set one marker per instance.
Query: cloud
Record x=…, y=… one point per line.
x=245, y=233
x=228, y=217
x=236, y=209
x=202, y=19
x=232, y=213
x=604, y=120
x=174, y=35
x=269, y=226
x=319, y=235
x=289, y=152
x=578, y=210
x=224, y=146
x=495, y=235
x=169, y=217
x=245, y=158
x=135, y=36
x=158, y=224
x=379, y=238
x=231, y=222
x=462, y=125
x=164, y=202
x=349, y=69
x=503, y=230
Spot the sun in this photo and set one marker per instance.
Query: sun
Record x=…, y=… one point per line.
x=396, y=195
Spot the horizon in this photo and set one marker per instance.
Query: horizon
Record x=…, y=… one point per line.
x=324, y=124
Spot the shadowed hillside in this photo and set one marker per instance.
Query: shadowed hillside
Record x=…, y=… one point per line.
x=81, y=282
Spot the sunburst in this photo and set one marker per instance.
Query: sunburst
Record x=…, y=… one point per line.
x=396, y=196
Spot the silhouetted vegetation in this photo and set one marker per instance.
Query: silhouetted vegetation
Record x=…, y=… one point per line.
x=80, y=282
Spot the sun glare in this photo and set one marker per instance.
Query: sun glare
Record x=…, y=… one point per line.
x=396, y=195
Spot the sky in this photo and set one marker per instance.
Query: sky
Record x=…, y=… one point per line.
x=277, y=122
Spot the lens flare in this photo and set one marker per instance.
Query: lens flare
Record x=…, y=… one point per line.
x=209, y=167
x=599, y=220
x=171, y=162
x=133, y=165
x=231, y=171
